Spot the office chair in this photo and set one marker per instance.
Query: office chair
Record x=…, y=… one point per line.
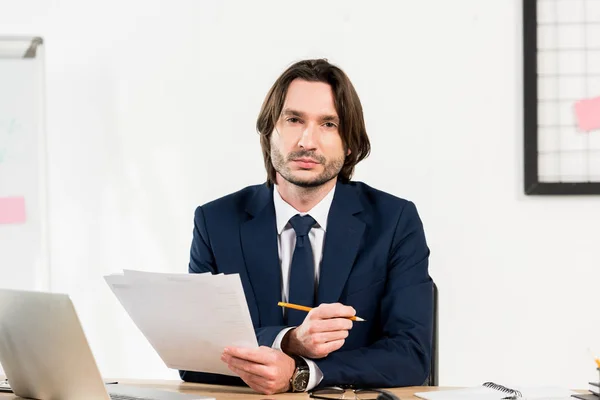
x=433, y=378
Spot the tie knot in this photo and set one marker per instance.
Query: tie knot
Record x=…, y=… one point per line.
x=301, y=224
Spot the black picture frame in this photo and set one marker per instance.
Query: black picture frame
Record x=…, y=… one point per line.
x=530, y=103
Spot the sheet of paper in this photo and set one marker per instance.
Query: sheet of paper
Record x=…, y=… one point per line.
x=12, y=210
x=484, y=393
x=143, y=276
x=588, y=114
x=478, y=392
x=187, y=319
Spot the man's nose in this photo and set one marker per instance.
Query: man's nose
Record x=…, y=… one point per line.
x=307, y=140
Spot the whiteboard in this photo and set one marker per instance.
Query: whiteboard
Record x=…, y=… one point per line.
x=561, y=44
x=24, y=262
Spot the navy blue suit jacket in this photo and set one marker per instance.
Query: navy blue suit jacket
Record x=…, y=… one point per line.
x=375, y=259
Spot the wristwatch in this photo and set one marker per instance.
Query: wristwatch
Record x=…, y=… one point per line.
x=299, y=379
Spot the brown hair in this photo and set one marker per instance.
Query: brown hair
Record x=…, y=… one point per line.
x=347, y=104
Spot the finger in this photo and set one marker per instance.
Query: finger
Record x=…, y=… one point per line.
x=330, y=347
x=247, y=366
x=335, y=310
x=330, y=325
x=325, y=337
x=252, y=380
x=247, y=377
x=259, y=356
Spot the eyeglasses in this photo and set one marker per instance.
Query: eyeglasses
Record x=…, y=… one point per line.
x=337, y=393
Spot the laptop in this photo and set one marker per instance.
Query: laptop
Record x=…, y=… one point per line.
x=45, y=354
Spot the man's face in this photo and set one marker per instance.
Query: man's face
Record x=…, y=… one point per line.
x=306, y=147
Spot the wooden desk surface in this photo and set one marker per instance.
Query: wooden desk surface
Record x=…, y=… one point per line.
x=238, y=393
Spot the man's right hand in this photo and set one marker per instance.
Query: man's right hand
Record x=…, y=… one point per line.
x=323, y=331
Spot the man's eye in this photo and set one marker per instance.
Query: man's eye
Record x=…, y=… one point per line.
x=293, y=120
x=330, y=125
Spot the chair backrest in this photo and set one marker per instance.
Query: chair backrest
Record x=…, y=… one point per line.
x=433, y=378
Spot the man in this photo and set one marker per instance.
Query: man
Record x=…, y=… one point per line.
x=312, y=237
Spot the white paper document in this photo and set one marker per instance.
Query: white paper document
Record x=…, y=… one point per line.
x=486, y=393
x=187, y=318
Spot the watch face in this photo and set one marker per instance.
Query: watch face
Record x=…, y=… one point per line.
x=301, y=380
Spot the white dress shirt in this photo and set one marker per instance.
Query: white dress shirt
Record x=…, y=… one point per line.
x=286, y=241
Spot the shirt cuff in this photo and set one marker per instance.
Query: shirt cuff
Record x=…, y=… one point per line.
x=279, y=338
x=316, y=375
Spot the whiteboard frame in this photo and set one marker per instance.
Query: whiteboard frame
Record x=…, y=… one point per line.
x=533, y=186
x=34, y=48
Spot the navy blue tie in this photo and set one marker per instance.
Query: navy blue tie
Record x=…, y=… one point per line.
x=302, y=270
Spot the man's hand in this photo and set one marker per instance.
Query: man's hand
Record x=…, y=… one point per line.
x=266, y=370
x=323, y=331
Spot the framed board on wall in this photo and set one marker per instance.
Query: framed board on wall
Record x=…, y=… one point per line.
x=561, y=44
x=24, y=255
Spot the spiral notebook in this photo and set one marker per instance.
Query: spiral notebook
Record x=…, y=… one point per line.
x=493, y=391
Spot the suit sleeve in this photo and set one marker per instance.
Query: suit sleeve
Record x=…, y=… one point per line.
x=201, y=255
x=401, y=357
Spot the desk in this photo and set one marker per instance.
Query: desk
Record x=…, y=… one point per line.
x=239, y=392
x=236, y=392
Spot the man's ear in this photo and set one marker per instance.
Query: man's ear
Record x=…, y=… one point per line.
x=348, y=152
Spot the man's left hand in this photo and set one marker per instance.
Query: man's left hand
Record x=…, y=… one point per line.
x=266, y=370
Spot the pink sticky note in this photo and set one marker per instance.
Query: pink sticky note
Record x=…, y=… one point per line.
x=588, y=114
x=12, y=210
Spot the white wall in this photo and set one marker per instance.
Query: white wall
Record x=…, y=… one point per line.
x=151, y=107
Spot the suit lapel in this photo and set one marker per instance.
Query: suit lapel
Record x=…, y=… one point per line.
x=259, y=243
x=342, y=241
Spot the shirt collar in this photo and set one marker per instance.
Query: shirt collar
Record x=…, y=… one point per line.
x=284, y=211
